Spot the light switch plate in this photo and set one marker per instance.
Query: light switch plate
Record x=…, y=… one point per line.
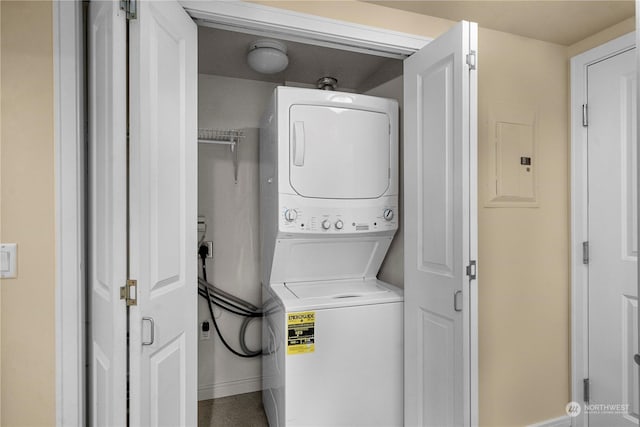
x=8, y=260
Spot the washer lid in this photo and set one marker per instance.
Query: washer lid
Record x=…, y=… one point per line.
x=335, y=294
x=337, y=290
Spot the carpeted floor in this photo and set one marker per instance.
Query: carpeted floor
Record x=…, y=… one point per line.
x=242, y=410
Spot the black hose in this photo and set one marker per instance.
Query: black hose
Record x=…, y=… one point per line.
x=230, y=307
x=228, y=297
x=215, y=324
x=235, y=303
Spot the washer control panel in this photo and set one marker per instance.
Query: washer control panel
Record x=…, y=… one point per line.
x=337, y=220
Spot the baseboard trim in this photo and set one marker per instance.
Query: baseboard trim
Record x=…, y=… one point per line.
x=229, y=388
x=564, y=421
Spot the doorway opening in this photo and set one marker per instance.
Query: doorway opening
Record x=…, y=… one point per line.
x=231, y=100
x=161, y=156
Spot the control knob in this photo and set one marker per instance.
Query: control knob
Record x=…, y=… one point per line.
x=388, y=214
x=339, y=224
x=290, y=215
x=326, y=224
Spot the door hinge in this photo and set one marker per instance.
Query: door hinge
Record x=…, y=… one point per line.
x=585, y=390
x=129, y=292
x=471, y=60
x=471, y=270
x=585, y=253
x=130, y=7
x=585, y=115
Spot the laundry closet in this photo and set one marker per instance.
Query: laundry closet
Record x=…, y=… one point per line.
x=232, y=98
x=182, y=184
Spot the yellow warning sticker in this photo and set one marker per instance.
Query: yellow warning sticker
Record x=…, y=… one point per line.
x=301, y=332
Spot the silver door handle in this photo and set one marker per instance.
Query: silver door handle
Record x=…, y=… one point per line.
x=152, y=330
x=456, y=307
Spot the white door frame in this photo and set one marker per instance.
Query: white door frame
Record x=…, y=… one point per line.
x=70, y=143
x=301, y=27
x=69, y=146
x=579, y=211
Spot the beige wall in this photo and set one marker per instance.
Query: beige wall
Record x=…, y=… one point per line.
x=524, y=306
x=27, y=214
x=524, y=252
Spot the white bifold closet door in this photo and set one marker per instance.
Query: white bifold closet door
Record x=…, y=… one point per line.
x=107, y=213
x=160, y=210
x=440, y=138
x=163, y=215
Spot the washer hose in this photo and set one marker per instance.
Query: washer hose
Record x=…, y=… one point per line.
x=231, y=304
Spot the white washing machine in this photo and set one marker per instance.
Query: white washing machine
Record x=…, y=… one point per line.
x=332, y=333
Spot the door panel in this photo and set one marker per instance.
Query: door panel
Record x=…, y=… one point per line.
x=163, y=218
x=107, y=204
x=328, y=152
x=439, y=88
x=613, y=299
x=436, y=168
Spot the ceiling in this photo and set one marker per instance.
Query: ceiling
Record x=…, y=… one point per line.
x=224, y=53
x=557, y=21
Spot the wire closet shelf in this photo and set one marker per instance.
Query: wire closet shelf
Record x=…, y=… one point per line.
x=230, y=137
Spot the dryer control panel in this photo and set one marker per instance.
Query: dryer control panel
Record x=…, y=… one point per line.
x=298, y=215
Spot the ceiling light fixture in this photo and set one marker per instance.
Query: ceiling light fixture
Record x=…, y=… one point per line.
x=267, y=56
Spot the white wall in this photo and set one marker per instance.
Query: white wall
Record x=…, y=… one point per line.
x=232, y=212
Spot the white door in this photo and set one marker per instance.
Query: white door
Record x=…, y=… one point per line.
x=163, y=217
x=155, y=175
x=440, y=120
x=613, y=299
x=107, y=202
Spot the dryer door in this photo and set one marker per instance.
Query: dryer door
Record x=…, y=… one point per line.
x=338, y=153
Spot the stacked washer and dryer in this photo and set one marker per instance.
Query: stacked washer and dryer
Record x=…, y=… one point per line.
x=332, y=332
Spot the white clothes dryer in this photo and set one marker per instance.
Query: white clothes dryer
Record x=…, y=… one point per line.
x=328, y=184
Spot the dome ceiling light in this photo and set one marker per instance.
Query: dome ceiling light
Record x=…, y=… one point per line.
x=267, y=56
